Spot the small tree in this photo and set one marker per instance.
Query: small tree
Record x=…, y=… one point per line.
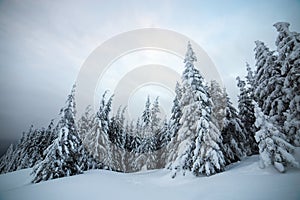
x=6, y=159
x=273, y=147
x=146, y=116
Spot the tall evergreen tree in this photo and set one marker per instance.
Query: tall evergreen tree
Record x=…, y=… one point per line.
x=246, y=113
x=6, y=159
x=208, y=157
x=147, y=158
x=198, y=139
x=288, y=48
x=85, y=122
x=176, y=111
x=233, y=133
x=163, y=140
x=154, y=117
x=21, y=150
x=29, y=149
x=134, y=141
x=176, y=114
x=118, y=137
x=64, y=155
x=219, y=101
x=269, y=84
x=97, y=139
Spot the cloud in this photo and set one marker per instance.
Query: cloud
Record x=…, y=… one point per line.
x=44, y=43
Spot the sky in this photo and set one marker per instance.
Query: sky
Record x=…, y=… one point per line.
x=43, y=45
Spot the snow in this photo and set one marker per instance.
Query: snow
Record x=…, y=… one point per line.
x=242, y=180
x=279, y=166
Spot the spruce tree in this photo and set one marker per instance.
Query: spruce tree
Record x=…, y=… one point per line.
x=19, y=154
x=269, y=84
x=273, y=147
x=176, y=111
x=219, y=104
x=146, y=116
x=64, y=156
x=198, y=139
x=163, y=139
x=246, y=113
x=85, y=122
x=233, y=133
x=6, y=159
x=154, y=117
x=288, y=48
x=147, y=158
x=118, y=137
x=134, y=142
x=176, y=114
x=97, y=140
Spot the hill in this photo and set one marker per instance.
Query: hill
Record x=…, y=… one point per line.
x=243, y=180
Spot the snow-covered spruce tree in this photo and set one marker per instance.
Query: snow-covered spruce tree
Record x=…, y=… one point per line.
x=118, y=137
x=176, y=114
x=133, y=142
x=219, y=104
x=122, y=141
x=154, y=117
x=233, y=133
x=273, y=147
x=6, y=159
x=30, y=149
x=198, y=139
x=208, y=157
x=146, y=116
x=139, y=145
x=147, y=158
x=97, y=140
x=64, y=155
x=38, y=141
x=246, y=114
x=150, y=128
x=153, y=140
x=250, y=79
x=163, y=138
x=269, y=92
x=20, y=152
x=288, y=48
x=176, y=111
x=85, y=122
x=47, y=138
x=33, y=149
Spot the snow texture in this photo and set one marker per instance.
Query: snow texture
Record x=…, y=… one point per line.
x=243, y=180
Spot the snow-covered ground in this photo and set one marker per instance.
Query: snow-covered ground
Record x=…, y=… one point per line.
x=243, y=180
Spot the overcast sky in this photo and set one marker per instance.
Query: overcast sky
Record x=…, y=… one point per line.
x=44, y=43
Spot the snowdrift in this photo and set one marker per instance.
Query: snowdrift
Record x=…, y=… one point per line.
x=243, y=180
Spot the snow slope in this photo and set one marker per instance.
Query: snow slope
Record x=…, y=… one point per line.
x=244, y=180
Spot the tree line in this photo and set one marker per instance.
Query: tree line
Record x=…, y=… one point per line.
x=204, y=134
